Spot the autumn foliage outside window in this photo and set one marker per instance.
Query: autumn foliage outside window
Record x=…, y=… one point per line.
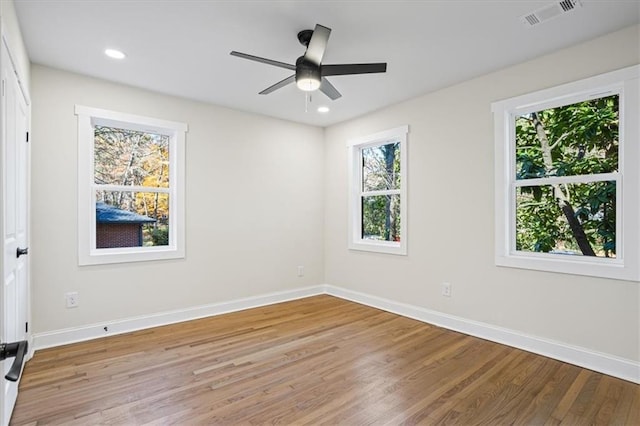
x=131, y=173
x=131, y=186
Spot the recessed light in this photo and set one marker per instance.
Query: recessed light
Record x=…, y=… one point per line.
x=115, y=54
x=323, y=109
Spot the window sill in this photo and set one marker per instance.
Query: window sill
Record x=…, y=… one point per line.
x=126, y=255
x=379, y=247
x=569, y=264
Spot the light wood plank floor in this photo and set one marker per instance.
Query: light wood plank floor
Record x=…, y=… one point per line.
x=319, y=360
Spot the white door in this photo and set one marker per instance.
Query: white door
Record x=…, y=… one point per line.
x=14, y=294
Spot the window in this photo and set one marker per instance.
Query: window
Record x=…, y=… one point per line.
x=567, y=180
x=378, y=205
x=131, y=187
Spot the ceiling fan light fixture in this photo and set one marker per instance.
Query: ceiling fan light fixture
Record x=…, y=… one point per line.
x=308, y=84
x=307, y=75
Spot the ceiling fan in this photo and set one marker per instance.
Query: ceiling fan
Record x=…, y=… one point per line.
x=310, y=73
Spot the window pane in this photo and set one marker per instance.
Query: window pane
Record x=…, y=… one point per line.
x=381, y=167
x=128, y=157
x=577, y=219
x=577, y=139
x=381, y=217
x=131, y=219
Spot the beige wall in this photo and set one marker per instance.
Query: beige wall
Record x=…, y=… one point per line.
x=254, y=207
x=451, y=207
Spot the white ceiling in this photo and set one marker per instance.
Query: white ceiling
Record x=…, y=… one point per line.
x=182, y=47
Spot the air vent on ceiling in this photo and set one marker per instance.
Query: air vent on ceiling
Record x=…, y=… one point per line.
x=550, y=11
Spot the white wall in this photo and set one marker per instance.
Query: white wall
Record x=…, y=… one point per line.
x=451, y=213
x=254, y=207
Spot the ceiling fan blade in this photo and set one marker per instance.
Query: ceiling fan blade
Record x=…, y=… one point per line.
x=328, y=89
x=346, y=69
x=263, y=60
x=279, y=85
x=317, y=45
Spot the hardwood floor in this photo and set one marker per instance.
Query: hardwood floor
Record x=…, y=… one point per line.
x=319, y=360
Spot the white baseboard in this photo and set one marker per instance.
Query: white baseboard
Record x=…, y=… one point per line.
x=126, y=325
x=583, y=357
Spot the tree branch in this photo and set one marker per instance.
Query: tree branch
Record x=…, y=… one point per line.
x=563, y=201
x=560, y=139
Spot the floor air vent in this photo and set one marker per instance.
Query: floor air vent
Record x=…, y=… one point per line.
x=550, y=12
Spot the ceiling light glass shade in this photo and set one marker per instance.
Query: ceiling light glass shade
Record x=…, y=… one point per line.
x=308, y=84
x=323, y=109
x=115, y=54
x=307, y=75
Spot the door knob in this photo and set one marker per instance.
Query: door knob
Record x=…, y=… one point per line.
x=15, y=349
x=22, y=251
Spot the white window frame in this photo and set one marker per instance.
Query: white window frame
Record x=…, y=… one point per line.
x=355, y=147
x=88, y=254
x=625, y=266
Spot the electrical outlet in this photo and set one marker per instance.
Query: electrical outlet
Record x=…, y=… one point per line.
x=72, y=299
x=446, y=289
x=301, y=271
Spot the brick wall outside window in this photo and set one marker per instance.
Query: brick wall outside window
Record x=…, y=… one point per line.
x=109, y=235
